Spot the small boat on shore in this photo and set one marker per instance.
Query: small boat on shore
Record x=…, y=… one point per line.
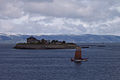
x=78, y=56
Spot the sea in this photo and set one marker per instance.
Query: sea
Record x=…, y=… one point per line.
x=23, y=64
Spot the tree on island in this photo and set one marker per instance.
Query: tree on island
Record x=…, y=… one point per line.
x=53, y=41
x=43, y=41
x=63, y=42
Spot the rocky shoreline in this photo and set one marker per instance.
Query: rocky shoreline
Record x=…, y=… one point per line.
x=48, y=46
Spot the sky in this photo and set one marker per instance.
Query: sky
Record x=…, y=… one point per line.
x=53, y=17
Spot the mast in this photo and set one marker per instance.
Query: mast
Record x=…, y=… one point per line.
x=78, y=53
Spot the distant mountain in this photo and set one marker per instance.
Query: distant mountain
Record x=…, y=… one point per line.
x=87, y=38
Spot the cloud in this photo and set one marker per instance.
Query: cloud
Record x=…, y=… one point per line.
x=9, y=9
x=58, y=8
x=38, y=0
x=60, y=16
x=84, y=9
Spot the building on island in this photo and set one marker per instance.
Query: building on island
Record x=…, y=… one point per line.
x=32, y=40
x=33, y=43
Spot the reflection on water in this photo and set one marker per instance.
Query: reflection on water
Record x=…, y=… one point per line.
x=103, y=64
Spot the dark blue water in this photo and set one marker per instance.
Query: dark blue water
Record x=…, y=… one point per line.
x=103, y=64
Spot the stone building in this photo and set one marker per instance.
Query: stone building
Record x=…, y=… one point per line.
x=32, y=40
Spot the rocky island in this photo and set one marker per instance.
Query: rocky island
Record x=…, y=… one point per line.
x=33, y=43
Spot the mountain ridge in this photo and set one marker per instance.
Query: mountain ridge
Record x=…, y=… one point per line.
x=84, y=38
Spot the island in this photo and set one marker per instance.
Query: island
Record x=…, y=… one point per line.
x=33, y=43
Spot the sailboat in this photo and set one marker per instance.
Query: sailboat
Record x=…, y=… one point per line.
x=78, y=56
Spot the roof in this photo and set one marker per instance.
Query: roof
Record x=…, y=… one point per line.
x=31, y=37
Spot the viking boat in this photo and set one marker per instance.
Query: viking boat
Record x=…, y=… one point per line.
x=78, y=56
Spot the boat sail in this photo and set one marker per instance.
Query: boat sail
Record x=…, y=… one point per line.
x=78, y=56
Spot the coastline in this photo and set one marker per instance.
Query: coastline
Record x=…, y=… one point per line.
x=45, y=46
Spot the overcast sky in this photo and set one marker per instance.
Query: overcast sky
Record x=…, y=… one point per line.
x=60, y=17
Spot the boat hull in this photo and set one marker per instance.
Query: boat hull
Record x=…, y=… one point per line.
x=78, y=60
